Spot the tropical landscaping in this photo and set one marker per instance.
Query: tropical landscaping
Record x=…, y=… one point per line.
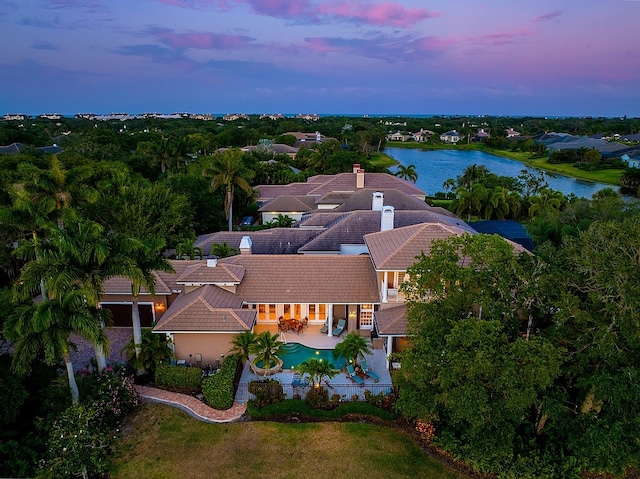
x=519, y=366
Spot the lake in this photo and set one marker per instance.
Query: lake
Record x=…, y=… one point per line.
x=434, y=167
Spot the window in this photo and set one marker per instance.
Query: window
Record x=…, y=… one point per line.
x=322, y=312
x=262, y=312
x=287, y=311
x=312, y=311
x=366, y=316
x=297, y=309
x=272, y=312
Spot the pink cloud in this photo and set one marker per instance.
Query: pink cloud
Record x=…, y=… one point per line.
x=366, y=12
x=387, y=13
x=547, y=16
x=201, y=40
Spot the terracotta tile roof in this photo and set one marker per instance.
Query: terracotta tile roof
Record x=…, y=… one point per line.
x=306, y=279
x=270, y=241
x=353, y=226
x=287, y=203
x=321, y=185
x=391, y=321
x=208, y=308
x=122, y=285
x=362, y=200
x=347, y=182
x=397, y=249
x=321, y=219
x=201, y=273
x=179, y=267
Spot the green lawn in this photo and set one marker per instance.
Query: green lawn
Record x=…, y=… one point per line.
x=162, y=442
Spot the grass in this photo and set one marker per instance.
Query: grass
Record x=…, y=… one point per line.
x=160, y=442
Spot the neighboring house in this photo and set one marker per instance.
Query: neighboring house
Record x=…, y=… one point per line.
x=511, y=133
x=481, y=134
x=451, y=136
x=15, y=148
x=337, y=187
x=422, y=135
x=287, y=205
x=235, y=116
x=308, y=117
x=399, y=136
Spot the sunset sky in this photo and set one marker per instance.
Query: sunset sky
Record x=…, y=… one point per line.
x=495, y=57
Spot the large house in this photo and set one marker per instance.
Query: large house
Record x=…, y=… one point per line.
x=334, y=265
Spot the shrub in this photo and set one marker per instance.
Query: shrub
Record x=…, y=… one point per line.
x=179, y=378
x=297, y=406
x=381, y=400
x=317, y=398
x=111, y=394
x=266, y=391
x=218, y=389
x=78, y=444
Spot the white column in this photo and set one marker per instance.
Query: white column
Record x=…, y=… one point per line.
x=330, y=321
x=389, y=350
x=385, y=287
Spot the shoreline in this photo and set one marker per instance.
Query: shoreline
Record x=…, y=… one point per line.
x=612, y=178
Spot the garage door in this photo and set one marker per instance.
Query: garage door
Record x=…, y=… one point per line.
x=121, y=314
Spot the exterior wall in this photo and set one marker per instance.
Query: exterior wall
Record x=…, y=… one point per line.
x=161, y=303
x=353, y=249
x=210, y=346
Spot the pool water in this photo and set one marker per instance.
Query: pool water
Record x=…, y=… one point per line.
x=297, y=353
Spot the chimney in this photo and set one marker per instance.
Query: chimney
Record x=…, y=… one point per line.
x=377, y=201
x=386, y=218
x=245, y=245
x=360, y=179
x=212, y=261
x=356, y=167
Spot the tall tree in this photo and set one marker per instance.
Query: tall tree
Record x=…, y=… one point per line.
x=408, y=173
x=46, y=327
x=227, y=170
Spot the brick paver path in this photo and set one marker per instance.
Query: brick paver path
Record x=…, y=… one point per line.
x=192, y=406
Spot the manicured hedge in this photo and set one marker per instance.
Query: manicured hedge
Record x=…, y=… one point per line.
x=218, y=390
x=299, y=406
x=179, y=379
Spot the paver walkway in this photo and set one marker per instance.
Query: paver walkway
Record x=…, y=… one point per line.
x=192, y=406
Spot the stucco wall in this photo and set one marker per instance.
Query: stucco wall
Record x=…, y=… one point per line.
x=211, y=346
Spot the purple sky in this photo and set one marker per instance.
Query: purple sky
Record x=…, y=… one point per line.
x=540, y=57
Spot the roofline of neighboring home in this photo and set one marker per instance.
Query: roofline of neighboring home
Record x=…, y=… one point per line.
x=191, y=331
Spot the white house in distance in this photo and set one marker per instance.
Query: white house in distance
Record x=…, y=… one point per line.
x=451, y=136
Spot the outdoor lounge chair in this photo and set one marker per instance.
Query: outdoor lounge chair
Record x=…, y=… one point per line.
x=341, y=324
x=325, y=328
x=295, y=382
x=353, y=376
x=368, y=372
x=304, y=382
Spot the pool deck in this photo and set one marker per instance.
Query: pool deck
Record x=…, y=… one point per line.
x=341, y=383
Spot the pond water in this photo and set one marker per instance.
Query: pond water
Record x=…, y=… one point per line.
x=434, y=167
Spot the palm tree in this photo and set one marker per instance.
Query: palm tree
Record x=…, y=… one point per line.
x=267, y=349
x=155, y=349
x=223, y=250
x=448, y=184
x=408, y=173
x=243, y=345
x=352, y=347
x=469, y=200
x=472, y=174
x=227, y=170
x=56, y=185
x=147, y=258
x=82, y=256
x=46, y=326
x=317, y=370
x=546, y=199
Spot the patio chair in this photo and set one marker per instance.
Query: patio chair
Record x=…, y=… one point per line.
x=353, y=376
x=304, y=382
x=369, y=372
x=295, y=382
x=325, y=328
x=340, y=328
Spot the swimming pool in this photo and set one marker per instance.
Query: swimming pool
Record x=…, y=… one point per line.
x=297, y=353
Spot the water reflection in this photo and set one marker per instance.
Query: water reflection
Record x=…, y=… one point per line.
x=434, y=167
